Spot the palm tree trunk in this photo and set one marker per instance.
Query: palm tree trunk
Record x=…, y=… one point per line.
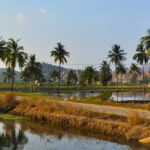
x=117, y=82
x=143, y=83
x=13, y=78
x=59, y=80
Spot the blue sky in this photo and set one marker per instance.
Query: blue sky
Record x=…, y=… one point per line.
x=88, y=28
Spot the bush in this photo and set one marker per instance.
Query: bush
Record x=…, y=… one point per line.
x=105, y=96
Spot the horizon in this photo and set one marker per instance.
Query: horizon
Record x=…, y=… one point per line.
x=87, y=29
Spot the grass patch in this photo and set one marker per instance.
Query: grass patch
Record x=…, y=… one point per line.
x=11, y=117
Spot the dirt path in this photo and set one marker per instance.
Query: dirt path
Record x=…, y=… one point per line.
x=111, y=109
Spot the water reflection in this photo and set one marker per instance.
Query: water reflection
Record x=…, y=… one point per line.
x=32, y=136
x=12, y=137
x=116, y=96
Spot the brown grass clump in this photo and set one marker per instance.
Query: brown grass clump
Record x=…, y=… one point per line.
x=8, y=102
x=136, y=119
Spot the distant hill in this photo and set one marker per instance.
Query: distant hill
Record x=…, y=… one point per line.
x=47, y=68
x=3, y=70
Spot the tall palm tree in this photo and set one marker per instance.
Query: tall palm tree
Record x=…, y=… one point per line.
x=145, y=41
x=7, y=75
x=117, y=56
x=141, y=57
x=135, y=71
x=59, y=53
x=121, y=69
x=34, y=69
x=2, y=47
x=13, y=55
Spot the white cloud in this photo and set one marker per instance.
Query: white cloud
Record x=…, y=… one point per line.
x=42, y=11
x=20, y=18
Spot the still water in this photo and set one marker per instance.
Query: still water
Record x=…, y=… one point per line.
x=25, y=135
x=122, y=96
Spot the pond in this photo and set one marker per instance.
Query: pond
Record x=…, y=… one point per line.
x=24, y=135
x=120, y=96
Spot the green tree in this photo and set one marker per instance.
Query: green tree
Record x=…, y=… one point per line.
x=34, y=69
x=54, y=75
x=145, y=42
x=2, y=48
x=135, y=71
x=13, y=55
x=117, y=56
x=121, y=69
x=105, y=73
x=25, y=76
x=88, y=76
x=59, y=53
x=72, y=77
x=141, y=57
x=7, y=75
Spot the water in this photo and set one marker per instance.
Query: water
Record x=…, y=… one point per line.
x=122, y=96
x=30, y=136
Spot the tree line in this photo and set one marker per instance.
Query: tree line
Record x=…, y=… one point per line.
x=12, y=54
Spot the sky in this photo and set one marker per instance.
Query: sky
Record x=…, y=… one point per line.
x=87, y=28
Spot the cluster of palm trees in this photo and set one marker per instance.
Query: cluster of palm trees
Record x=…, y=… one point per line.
x=13, y=55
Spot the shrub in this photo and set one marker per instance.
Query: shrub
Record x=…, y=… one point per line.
x=105, y=96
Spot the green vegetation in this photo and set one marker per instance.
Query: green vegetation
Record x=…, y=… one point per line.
x=11, y=117
x=60, y=54
x=105, y=73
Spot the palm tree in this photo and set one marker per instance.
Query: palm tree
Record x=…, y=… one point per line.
x=105, y=73
x=34, y=69
x=116, y=56
x=121, y=69
x=141, y=57
x=7, y=75
x=59, y=53
x=134, y=70
x=54, y=75
x=2, y=47
x=145, y=41
x=89, y=75
x=13, y=55
x=25, y=76
x=72, y=77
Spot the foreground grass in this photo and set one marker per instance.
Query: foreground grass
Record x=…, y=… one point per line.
x=70, y=116
x=11, y=117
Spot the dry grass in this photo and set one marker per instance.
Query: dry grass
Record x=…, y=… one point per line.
x=68, y=115
x=136, y=119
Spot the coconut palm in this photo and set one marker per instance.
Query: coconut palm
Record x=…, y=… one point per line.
x=135, y=71
x=72, y=77
x=34, y=69
x=117, y=56
x=25, y=75
x=54, y=75
x=13, y=56
x=89, y=75
x=105, y=73
x=7, y=75
x=141, y=57
x=2, y=47
x=59, y=53
x=121, y=69
x=145, y=41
